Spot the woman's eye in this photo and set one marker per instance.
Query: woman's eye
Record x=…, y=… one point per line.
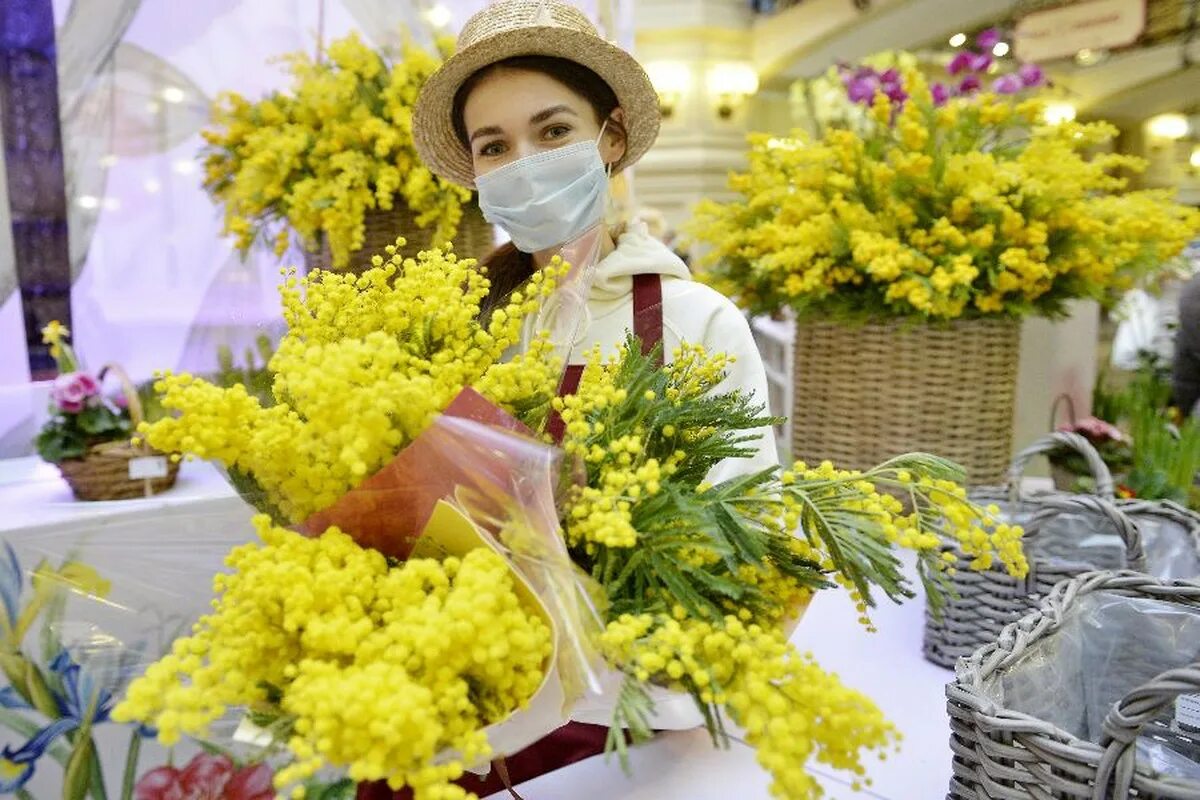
x=557, y=131
x=492, y=149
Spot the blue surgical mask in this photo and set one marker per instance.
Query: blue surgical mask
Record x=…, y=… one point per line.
x=546, y=199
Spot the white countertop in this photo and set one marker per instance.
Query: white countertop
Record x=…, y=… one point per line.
x=32, y=493
x=887, y=666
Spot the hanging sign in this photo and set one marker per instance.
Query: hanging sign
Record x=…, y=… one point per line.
x=1093, y=25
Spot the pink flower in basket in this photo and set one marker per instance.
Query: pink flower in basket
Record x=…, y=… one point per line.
x=1095, y=430
x=72, y=391
x=206, y=777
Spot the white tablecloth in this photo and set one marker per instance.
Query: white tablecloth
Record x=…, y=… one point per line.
x=887, y=666
x=33, y=494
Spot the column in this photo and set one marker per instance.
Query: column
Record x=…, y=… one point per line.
x=697, y=147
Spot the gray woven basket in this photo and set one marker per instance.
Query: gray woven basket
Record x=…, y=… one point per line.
x=982, y=603
x=1002, y=754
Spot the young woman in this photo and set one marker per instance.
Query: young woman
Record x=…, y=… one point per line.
x=536, y=112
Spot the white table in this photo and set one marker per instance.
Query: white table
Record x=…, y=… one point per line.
x=32, y=493
x=887, y=666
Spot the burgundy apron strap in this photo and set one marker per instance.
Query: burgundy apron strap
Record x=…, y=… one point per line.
x=647, y=326
x=648, y=312
x=569, y=386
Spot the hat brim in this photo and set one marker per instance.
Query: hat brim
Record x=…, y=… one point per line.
x=433, y=118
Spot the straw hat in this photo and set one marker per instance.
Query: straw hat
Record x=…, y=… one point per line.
x=523, y=28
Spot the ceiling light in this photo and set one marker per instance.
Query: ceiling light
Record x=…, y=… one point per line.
x=1168, y=126
x=1001, y=49
x=439, y=16
x=173, y=94
x=958, y=40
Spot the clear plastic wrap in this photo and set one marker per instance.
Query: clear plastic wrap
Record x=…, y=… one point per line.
x=88, y=605
x=1171, y=549
x=1080, y=539
x=564, y=315
x=1107, y=646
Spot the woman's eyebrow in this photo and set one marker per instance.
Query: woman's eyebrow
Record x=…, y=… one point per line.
x=491, y=130
x=542, y=116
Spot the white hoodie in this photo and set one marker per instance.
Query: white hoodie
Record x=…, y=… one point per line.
x=694, y=313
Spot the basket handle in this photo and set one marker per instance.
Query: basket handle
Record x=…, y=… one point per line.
x=133, y=402
x=1070, y=403
x=1048, y=444
x=1124, y=723
x=1131, y=537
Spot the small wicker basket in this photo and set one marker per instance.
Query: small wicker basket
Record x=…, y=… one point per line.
x=1003, y=754
x=475, y=237
x=864, y=393
x=104, y=473
x=983, y=602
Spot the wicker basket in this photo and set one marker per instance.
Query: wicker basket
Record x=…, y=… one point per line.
x=1002, y=754
x=983, y=602
x=476, y=237
x=381, y=228
x=867, y=393
x=103, y=474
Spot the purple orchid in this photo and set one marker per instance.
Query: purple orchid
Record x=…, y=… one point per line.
x=980, y=62
x=941, y=94
x=988, y=39
x=862, y=90
x=961, y=62
x=1031, y=75
x=969, y=84
x=1008, y=84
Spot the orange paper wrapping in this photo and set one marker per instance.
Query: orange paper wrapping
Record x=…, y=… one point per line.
x=473, y=444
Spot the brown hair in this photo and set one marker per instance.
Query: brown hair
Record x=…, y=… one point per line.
x=508, y=267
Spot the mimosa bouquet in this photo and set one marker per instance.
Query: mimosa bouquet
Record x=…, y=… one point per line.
x=452, y=584
x=317, y=158
x=937, y=209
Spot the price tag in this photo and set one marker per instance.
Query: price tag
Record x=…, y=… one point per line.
x=1187, y=711
x=249, y=733
x=147, y=468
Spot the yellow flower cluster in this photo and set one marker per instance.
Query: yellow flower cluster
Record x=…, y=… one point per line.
x=337, y=145
x=374, y=668
x=622, y=473
x=367, y=363
x=793, y=712
x=54, y=335
x=970, y=209
x=937, y=505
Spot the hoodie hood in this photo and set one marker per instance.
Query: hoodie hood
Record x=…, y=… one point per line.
x=636, y=253
x=568, y=320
